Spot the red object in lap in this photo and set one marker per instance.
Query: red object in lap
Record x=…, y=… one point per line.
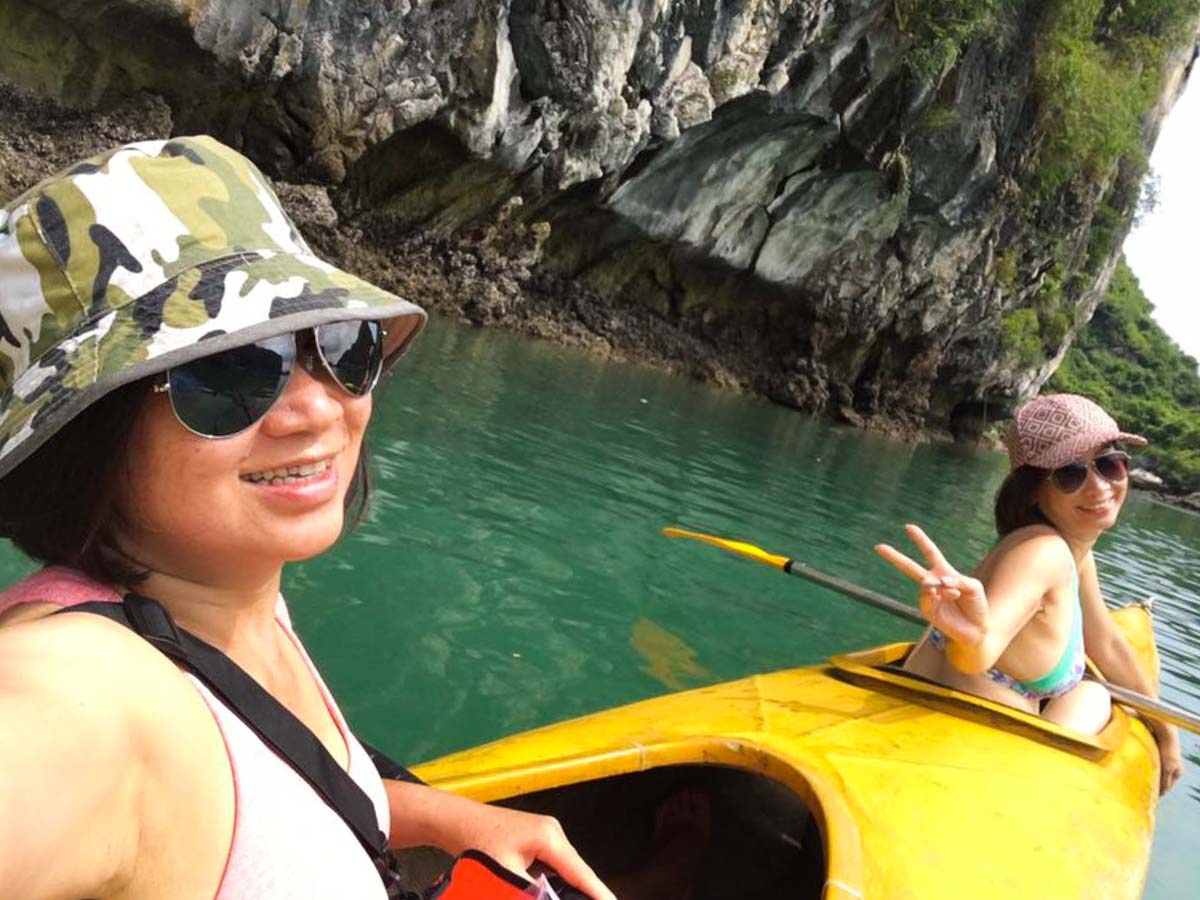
x=476, y=876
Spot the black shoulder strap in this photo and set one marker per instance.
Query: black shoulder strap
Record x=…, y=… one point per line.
x=388, y=767
x=265, y=715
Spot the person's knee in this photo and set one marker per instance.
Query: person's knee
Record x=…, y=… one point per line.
x=1086, y=708
x=1097, y=705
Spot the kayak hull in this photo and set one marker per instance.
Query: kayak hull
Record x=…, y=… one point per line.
x=917, y=790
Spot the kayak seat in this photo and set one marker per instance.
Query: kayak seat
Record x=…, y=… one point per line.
x=764, y=841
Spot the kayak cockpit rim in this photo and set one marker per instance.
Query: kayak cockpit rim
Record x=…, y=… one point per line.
x=839, y=832
x=879, y=669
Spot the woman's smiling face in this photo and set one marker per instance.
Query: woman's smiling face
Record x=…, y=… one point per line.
x=222, y=511
x=1091, y=509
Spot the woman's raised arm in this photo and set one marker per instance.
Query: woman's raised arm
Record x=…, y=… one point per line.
x=978, y=622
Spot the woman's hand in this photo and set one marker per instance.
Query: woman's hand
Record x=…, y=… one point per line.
x=1170, y=755
x=518, y=839
x=513, y=838
x=954, y=603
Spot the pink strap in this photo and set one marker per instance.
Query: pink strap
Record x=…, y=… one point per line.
x=58, y=585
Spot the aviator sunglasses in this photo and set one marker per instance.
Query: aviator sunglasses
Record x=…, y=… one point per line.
x=1112, y=467
x=220, y=395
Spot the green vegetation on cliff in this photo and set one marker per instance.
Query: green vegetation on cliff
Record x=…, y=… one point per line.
x=939, y=29
x=1032, y=334
x=1100, y=67
x=1127, y=364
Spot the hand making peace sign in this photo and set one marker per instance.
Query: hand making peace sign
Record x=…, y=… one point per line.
x=954, y=603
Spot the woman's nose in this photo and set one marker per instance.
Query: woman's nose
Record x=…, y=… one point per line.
x=1095, y=479
x=308, y=403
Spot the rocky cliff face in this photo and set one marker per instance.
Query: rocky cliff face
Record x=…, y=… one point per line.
x=769, y=194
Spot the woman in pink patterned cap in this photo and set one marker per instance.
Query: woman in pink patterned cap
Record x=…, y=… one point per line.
x=1016, y=630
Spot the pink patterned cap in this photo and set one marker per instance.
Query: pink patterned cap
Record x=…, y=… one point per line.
x=1055, y=429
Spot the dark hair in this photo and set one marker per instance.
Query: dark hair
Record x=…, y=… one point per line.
x=358, y=494
x=1016, y=500
x=61, y=506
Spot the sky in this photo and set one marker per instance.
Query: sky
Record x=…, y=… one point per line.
x=1164, y=250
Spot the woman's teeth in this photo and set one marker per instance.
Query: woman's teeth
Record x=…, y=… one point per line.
x=288, y=474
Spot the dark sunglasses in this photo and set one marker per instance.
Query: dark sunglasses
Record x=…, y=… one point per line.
x=220, y=395
x=1112, y=467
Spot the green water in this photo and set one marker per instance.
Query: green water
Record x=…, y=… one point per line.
x=511, y=573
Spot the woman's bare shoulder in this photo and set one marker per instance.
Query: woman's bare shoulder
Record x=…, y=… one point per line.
x=88, y=665
x=108, y=696
x=104, y=724
x=1032, y=550
x=59, y=633
x=28, y=611
x=1034, y=539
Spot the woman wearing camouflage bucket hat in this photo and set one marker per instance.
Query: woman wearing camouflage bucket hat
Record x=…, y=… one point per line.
x=1016, y=631
x=184, y=389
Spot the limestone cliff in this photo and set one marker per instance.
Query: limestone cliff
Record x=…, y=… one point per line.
x=842, y=205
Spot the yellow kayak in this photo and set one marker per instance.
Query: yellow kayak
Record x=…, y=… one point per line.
x=851, y=779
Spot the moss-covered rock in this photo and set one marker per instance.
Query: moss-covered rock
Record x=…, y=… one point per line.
x=898, y=212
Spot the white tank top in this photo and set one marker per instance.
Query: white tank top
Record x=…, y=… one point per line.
x=287, y=842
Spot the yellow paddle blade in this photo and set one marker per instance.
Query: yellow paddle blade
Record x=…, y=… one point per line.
x=741, y=548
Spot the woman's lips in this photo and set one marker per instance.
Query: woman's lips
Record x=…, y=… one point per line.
x=289, y=473
x=1097, y=509
x=304, y=484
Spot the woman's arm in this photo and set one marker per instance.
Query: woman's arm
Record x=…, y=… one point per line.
x=980, y=621
x=423, y=815
x=69, y=782
x=1021, y=575
x=1112, y=654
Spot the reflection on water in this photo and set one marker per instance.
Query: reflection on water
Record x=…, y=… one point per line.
x=669, y=660
x=512, y=573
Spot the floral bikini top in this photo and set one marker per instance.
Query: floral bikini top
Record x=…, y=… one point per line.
x=1067, y=673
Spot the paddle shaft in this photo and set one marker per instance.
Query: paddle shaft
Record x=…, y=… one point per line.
x=1147, y=706
x=1152, y=708
x=895, y=607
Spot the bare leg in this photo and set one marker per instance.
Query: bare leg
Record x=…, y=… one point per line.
x=1085, y=708
x=682, y=830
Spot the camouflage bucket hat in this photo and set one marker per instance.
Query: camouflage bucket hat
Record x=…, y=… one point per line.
x=146, y=257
